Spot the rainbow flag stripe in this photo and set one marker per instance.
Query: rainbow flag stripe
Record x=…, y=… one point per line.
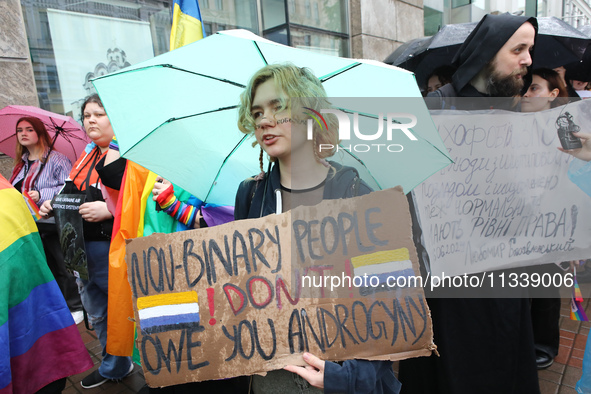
x=165, y=312
x=39, y=341
x=577, y=295
x=577, y=311
x=32, y=207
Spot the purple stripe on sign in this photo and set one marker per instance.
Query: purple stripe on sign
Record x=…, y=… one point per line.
x=167, y=320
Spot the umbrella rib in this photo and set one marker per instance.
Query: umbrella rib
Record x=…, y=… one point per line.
x=352, y=66
x=222, y=166
x=178, y=69
x=260, y=52
x=175, y=119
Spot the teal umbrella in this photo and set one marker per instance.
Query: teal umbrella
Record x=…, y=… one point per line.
x=176, y=114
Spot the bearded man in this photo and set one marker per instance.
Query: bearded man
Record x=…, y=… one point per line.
x=492, y=62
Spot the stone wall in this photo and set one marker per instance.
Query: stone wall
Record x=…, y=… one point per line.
x=378, y=27
x=17, y=84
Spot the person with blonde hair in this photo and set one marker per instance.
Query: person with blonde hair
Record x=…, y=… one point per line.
x=272, y=108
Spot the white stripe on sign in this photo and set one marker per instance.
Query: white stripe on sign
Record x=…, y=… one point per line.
x=168, y=310
x=382, y=268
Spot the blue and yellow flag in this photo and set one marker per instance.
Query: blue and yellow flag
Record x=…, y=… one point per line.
x=187, y=26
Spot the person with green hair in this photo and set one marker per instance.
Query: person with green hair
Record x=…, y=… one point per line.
x=299, y=174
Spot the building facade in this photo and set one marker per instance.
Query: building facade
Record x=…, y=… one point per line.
x=56, y=47
x=444, y=12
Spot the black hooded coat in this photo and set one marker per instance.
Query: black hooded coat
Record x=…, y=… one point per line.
x=486, y=344
x=481, y=46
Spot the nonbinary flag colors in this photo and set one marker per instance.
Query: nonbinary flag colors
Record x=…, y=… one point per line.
x=390, y=263
x=186, y=23
x=165, y=312
x=39, y=341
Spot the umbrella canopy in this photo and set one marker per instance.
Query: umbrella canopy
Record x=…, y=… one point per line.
x=176, y=114
x=70, y=139
x=407, y=51
x=558, y=43
x=440, y=49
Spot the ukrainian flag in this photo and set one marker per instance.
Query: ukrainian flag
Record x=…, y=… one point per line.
x=187, y=24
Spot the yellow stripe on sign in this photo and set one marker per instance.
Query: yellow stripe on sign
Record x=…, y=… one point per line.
x=380, y=257
x=166, y=299
x=20, y=221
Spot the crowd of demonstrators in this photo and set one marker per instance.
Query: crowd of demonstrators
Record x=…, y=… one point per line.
x=84, y=179
x=40, y=172
x=485, y=345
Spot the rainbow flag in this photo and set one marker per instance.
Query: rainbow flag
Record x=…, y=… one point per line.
x=39, y=341
x=165, y=312
x=33, y=208
x=187, y=26
x=577, y=311
x=141, y=217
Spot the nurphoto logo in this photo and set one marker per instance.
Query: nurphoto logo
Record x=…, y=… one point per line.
x=392, y=121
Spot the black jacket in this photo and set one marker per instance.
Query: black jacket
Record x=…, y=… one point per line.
x=257, y=199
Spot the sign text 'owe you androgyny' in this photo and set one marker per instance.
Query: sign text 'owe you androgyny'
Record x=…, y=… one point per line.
x=243, y=298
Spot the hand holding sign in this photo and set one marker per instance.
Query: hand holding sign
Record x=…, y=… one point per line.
x=583, y=153
x=95, y=211
x=313, y=372
x=46, y=209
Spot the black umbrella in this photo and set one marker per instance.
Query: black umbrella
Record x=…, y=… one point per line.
x=558, y=43
x=424, y=55
x=407, y=51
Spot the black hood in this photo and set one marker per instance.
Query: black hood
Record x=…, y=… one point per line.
x=481, y=46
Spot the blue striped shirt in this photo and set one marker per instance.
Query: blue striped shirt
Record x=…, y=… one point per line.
x=52, y=178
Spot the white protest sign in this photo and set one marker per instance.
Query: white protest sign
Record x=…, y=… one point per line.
x=507, y=200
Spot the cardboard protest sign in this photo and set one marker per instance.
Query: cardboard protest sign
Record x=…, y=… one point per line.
x=251, y=296
x=71, y=234
x=507, y=200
